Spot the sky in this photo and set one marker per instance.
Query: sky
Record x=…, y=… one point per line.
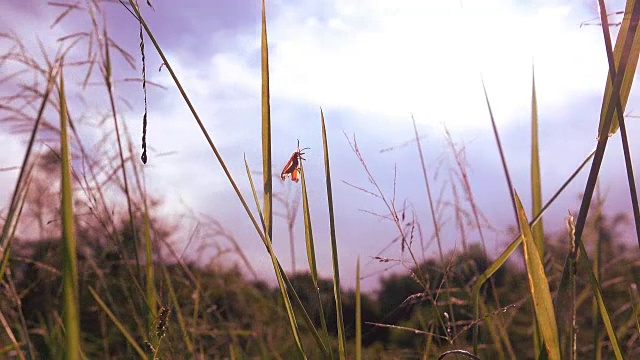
x=372, y=66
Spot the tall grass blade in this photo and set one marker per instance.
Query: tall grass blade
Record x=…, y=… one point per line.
x=334, y=245
x=266, y=129
x=114, y=115
x=536, y=181
x=118, y=324
x=539, y=287
x=358, y=314
x=434, y=220
x=502, y=258
x=608, y=111
x=285, y=284
x=597, y=293
x=503, y=159
x=264, y=237
x=178, y=311
x=150, y=286
x=565, y=302
x=311, y=256
x=627, y=44
x=536, y=191
x=70, y=272
x=630, y=28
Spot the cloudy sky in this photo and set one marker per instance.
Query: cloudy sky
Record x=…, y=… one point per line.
x=370, y=65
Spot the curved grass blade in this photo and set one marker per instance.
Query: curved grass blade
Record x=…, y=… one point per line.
x=334, y=245
x=502, y=258
x=539, y=287
x=266, y=129
x=70, y=272
x=118, y=324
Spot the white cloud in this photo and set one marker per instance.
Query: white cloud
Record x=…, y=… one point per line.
x=395, y=58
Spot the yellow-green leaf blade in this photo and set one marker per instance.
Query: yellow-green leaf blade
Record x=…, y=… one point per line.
x=538, y=286
x=70, y=272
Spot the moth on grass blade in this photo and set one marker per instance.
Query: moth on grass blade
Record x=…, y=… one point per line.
x=292, y=168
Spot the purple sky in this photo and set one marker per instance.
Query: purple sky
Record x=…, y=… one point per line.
x=370, y=65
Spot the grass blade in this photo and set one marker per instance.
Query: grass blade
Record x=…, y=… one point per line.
x=504, y=256
x=536, y=181
x=539, y=287
x=565, y=302
x=285, y=284
x=334, y=244
x=178, y=311
x=536, y=191
x=597, y=293
x=628, y=34
x=70, y=272
x=266, y=129
x=311, y=256
x=118, y=324
x=629, y=30
x=503, y=159
x=12, y=205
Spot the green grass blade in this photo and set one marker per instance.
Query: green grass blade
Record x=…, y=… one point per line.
x=539, y=287
x=283, y=281
x=254, y=192
x=265, y=238
x=565, y=302
x=150, y=286
x=536, y=181
x=118, y=324
x=334, y=245
x=266, y=129
x=502, y=258
x=597, y=292
x=178, y=311
x=627, y=44
x=536, y=191
x=311, y=256
x=358, y=314
x=503, y=159
x=70, y=272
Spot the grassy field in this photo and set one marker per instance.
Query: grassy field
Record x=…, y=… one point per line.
x=101, y=282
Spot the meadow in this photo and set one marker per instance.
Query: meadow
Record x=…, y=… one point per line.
x=86, y=271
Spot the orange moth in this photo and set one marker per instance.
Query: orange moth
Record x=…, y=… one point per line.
x=292, y=168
